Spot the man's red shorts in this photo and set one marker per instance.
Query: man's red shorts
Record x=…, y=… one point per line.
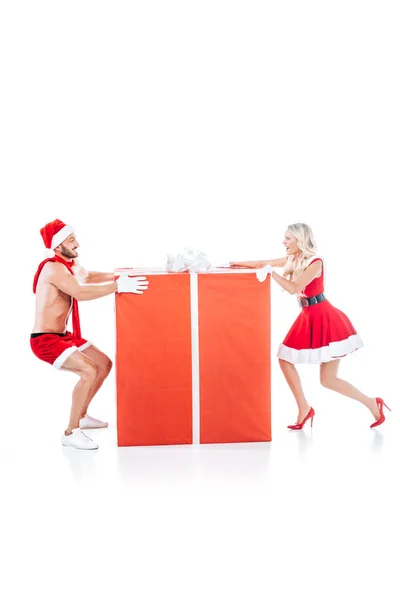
x=55, y=348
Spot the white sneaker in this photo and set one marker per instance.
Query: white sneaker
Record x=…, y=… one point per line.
x=78, y=440
x=88, y=422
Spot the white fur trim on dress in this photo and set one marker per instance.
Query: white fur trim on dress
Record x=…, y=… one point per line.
x=320, y=355
x=61, y=235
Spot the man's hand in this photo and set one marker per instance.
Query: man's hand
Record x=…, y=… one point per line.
x=261, y=274
x=132, y=285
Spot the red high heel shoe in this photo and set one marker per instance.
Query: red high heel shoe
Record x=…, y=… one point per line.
x=310, y=415
x=382, y=417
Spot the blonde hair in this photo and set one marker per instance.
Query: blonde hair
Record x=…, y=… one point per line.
x=295, y=265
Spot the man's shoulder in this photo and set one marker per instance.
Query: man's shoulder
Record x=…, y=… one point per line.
x=52, y=268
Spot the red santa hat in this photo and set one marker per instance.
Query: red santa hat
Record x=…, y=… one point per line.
x=54, y=234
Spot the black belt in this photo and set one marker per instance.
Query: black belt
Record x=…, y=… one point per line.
x=35, y=335
x=310, y=301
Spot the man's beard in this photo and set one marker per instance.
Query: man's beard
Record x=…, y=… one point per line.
x=67, y=253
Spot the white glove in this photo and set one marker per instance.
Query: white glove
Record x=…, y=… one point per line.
x=133, y=285
x=262, y=273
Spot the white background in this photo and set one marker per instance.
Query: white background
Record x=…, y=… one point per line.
x=153, y=125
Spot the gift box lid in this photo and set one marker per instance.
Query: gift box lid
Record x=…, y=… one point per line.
x=162, y=271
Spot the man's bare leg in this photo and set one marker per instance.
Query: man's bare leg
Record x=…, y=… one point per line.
x=103, y=365
x=86, y=369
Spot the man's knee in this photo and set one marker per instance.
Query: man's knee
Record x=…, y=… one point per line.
x=108, y=366
x=105, y=368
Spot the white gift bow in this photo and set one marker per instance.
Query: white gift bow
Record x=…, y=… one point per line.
x=189, y=260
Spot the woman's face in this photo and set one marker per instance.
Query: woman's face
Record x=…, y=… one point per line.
x=290, y=244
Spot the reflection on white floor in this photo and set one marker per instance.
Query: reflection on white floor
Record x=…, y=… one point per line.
x=313, y=514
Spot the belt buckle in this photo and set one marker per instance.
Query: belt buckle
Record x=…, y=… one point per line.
x=303, y=302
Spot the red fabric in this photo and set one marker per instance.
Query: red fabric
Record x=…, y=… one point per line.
x=317, y=326
x=320, y=324
x=76, y=327
x=50, y=230
x=317, y=285
x=50, y=346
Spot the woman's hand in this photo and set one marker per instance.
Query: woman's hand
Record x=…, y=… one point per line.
x=263, y=273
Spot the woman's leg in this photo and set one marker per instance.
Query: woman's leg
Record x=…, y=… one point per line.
x=330, y=380
x=293, y=379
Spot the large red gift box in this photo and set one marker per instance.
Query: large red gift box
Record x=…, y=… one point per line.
x=193, y=359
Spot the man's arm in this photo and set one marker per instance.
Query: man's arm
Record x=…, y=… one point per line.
x=90, y=277
x=96, y=277
x=57, y=275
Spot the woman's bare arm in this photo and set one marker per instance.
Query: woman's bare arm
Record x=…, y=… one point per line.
x=259, y=264
x=305, y=278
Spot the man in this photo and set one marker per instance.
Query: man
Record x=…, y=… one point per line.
x=59, y=284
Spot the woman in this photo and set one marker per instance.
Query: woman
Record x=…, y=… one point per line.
x=321, y=334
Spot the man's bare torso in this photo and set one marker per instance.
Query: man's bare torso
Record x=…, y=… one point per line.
x=53, y=306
